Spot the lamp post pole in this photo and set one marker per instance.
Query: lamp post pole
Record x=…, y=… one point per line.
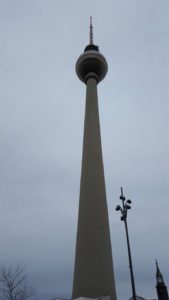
x=124, y=209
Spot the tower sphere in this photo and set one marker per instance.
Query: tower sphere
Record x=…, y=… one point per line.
x=91, y=63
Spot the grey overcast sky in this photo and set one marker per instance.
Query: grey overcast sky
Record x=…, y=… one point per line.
x=42, y=106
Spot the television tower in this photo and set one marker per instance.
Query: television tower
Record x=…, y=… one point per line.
x=93, y=271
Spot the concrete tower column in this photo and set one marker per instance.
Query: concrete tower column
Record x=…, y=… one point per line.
x=93, y=272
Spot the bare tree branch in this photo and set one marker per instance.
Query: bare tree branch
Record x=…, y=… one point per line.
x=13, y=285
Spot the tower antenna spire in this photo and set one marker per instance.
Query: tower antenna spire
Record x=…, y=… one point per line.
x=91, y=32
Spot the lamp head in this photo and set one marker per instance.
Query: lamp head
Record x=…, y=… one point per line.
x=118, y=207
x=122, y=218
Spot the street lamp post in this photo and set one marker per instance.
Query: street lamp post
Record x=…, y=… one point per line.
x=123, y=210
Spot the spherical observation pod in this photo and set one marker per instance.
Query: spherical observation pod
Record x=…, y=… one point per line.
x=91, y=64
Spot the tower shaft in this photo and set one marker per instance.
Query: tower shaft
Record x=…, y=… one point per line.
x=93, y=273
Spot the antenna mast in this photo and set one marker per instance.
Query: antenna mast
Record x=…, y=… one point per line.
x=91, y=32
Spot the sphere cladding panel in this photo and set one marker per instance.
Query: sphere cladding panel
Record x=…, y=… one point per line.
x=91, y=62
